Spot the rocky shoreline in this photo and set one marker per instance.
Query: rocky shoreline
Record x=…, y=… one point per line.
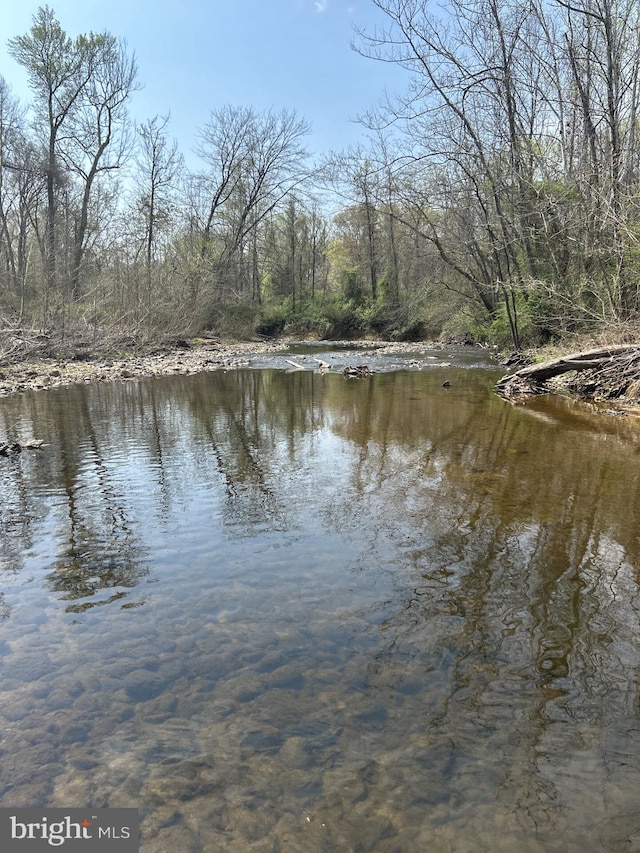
x=183, y=358
x=178, y=358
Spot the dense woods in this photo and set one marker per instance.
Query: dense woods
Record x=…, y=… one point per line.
x=497, y=199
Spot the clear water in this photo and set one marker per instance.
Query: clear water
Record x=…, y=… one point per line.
x=288, y=611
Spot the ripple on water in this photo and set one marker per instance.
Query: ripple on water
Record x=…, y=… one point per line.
x=292, y=611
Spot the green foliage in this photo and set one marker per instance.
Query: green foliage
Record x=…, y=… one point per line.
x=470, y=324
x=548, y=320
x=467, y=326
x=273, y=319
x=354, y=291
x=529, y=324
x=237, y=320
x=335, y=318
x=416, y=331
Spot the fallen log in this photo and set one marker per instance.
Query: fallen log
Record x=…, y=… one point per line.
x=33, y=444
x=7, y=447
x=532, y=379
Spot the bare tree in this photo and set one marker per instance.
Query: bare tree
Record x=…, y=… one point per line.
x=80, y=87
x=159, y=165
x=463, y=121
x=21, y=193
x=96, y=140
x=521, y=151
x=603, y=51
x=253, y=161
x=9, y=120
x=58, y=73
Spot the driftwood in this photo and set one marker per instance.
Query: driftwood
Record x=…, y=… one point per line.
x=7, y=447
x=322, y=365
x=357, y=371
x=612, y=361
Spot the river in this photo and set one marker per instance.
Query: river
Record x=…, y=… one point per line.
x=283, y=610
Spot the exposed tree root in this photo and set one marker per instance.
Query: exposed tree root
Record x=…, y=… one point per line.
x=605, y=373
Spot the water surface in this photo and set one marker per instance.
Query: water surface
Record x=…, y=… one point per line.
x=287, y=611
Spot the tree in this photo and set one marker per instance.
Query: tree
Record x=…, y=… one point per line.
x=521, y=152
x=80, y=87
x=253, y=161
x=159, y=166
x=602, y=43
x=462, y=119
x=58, y=72
x=356, y=178
x=9, y=120
x=96, y=139
x=294, y=251
x=21, y=187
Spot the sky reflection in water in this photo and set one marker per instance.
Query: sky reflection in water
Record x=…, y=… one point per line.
x=288, y=611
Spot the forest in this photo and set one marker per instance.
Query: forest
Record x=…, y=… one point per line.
x=497, y=200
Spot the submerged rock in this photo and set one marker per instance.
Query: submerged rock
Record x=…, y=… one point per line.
x=142, y=684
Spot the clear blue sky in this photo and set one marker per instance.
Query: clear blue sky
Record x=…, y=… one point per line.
x=195, y=56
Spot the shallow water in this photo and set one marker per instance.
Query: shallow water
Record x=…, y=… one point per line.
x=287, y=611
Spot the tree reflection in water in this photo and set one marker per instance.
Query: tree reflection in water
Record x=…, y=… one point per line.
x=488, y=620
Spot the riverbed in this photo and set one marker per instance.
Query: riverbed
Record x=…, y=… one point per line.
x=185, y=358
x=276, y=608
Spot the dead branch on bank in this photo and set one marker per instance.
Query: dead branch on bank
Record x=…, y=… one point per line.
x=612, y=372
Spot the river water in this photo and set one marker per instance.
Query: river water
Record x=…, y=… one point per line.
x=289, y=611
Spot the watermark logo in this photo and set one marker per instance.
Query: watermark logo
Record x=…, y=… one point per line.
x=73, y=830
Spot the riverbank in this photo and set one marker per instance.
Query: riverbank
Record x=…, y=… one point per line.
x=615, y=382
x=609, y=374
x=177, y=357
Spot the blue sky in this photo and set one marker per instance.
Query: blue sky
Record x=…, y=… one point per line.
x=195, y=56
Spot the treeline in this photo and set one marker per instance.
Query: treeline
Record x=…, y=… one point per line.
x=497, y=200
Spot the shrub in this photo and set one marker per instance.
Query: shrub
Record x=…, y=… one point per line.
x=236, y=320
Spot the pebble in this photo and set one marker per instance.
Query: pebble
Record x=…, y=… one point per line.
x=51, y=373
x=47, y=374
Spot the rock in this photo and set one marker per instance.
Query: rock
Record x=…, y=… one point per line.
x=141, y=685
x=172, y=839
x=294, y=754
x=263, y=742
x=160, y=818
